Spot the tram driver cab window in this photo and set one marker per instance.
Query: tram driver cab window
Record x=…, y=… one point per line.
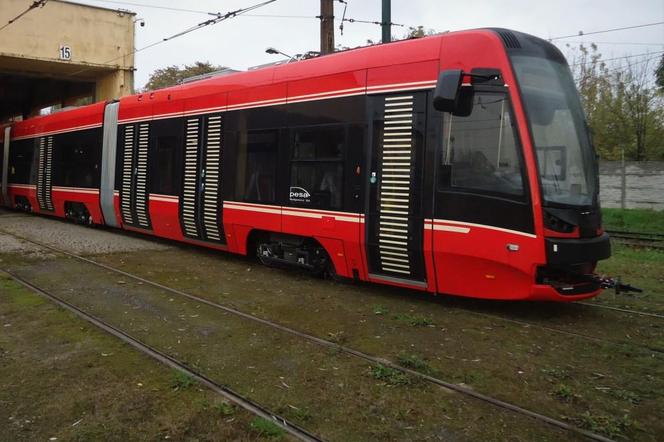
x=480, y=151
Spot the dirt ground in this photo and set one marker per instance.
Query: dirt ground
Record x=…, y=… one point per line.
x=598, y=369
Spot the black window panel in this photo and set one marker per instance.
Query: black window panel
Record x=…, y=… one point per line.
x=166, y=145
x=257, y=153
x=318, y=142
x=22, y=167
x=330, y=111
x=317, y=167
x=317, y=184
x=272, y=117
x=77, y=158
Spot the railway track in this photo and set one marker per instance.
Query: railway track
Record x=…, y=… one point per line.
x=639, y=239
x=374, y=360
x=244, y=402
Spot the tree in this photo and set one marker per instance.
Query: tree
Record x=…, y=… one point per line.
x=418, y=32
x=659, y=75
x=172, y=75
x=413, y=32
x=622, y=106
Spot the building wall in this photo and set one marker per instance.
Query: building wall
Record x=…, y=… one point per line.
x=99, y=40
x=640, y=185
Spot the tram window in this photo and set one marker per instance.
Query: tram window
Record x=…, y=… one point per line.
x=165, y=178
x=257, y=166
x=318, y=143
x=165, y=173
x=480, y=151
x=21, y=168
x=316, y=185
x=77, y=159
x=316, y=178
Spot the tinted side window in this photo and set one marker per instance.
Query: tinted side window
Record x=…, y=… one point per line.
x=317, y=166
x=22, y=155
x=257, y=166
x=77, y=158
x=480, y=151
x=166, y=167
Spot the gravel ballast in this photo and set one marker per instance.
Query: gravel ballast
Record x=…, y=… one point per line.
x=67, y=236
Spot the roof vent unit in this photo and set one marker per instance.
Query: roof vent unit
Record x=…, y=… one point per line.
x=207, y=75
x=510, y=39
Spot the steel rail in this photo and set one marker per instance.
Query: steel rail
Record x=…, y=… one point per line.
x=329, y=344
x=622, y=310
x=564, y=332
x=169, y=361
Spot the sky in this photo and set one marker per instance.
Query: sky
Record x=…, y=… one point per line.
x=291, y=26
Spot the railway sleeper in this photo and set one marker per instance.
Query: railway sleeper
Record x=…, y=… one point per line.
x=78, y=213
x=276, y=249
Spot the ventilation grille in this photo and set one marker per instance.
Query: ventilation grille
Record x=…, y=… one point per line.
x=509, y=39
x=211, y=180
x=189, y=189
x=44, y=181
x=142, y=215
x=127, y=174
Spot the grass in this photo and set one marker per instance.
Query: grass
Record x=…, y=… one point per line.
x=380, y=310
x=65, y=379
x=556, y=373
x=389, y=375
x=565, y=393
x=266, y=428
x=414, y=362
x=638, y=220
x=182, y=381
x=614, y=427
x=225, y=409
x=414, y=320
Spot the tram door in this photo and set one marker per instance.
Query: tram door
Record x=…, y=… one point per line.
x=393, y=215
x=134, y=192
x=201, y=203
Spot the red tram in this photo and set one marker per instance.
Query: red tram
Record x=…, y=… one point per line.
x=459, y=164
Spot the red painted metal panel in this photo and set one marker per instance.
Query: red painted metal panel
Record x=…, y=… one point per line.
x=73, y=119
x=164, y=216
x=170, y=104
x=410, y=75
x=257, y=96
x=135, y=107
x=27, y=190
x=351, y=82
x=88, y=197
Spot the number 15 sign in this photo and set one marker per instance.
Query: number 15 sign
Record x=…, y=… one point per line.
x=65, y=52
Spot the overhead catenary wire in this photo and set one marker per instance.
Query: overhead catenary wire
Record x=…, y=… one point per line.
x=219, y=18
x=644, y=54
x=198, y=11
x=34, y=5
x=581, y=33
x=590, y=42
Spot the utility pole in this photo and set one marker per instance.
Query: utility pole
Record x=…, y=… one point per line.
x=326, y=26
x=386, y=24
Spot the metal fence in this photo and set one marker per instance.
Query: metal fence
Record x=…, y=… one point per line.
x=632, y=184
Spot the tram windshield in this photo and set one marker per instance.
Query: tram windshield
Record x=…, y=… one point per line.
x=565, y=157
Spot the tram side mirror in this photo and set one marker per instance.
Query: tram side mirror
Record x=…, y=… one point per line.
x=451, y=96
